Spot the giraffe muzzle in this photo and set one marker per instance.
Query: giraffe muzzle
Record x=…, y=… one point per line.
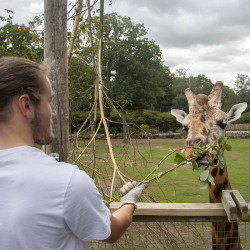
x=202, y=160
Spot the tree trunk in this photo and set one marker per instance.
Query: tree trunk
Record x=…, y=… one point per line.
x=125, y=130
x=55, y=48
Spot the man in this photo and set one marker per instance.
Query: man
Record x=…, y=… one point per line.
x=45, y=204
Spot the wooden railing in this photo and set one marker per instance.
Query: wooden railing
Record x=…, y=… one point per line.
x=172, y=226
x=232, y=208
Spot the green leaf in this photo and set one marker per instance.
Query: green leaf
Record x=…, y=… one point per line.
x=228, y=147
x=221, y=165
x=195, y=166
x=211, y=164
x=204, y=175
x=222, y=159
x=179, y=158
x=220, y=151
x=202, y=168
x=203, y=184
x=223, y=140
x=199, y=151
x=211, y=179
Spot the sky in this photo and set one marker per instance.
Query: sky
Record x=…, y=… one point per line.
x=210, y=37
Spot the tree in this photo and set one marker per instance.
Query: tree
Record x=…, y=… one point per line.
x=242, y=88
x=21, y=40
x=228, y=98
x=132, y=67
x=166, y=85
x=199, y=84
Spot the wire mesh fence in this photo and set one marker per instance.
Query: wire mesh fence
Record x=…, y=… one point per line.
x=173, y=235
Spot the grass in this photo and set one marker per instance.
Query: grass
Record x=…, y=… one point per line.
x=180, y=187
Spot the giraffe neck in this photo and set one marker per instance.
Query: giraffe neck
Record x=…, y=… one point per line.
x=221, y=181
x=225, y=235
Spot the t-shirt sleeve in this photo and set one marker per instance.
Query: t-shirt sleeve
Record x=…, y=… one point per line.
x=84, y=211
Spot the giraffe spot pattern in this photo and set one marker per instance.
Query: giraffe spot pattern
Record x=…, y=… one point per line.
x=204, y=132
x=202, y=118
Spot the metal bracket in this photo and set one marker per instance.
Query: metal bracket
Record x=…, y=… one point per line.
x=234, y=205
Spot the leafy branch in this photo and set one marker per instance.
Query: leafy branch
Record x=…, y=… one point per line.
x=180, y=160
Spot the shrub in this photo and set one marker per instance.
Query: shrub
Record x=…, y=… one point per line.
x=241, y=120
x=154, y=119
x=246, y=117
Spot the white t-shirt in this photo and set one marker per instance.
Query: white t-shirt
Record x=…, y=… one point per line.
x=47, y=205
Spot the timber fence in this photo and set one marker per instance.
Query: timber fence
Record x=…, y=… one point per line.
x=181, y=225
x=238, y=127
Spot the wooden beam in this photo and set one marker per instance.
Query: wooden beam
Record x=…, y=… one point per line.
x=229, y=205
x=176, y=209
x=242, y=206
x=178, y=212
x=55, y=48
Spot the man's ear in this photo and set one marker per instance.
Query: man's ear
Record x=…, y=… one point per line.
x=25, y=106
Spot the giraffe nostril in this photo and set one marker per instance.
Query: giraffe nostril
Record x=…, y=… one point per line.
x=193, y=141
x=197, y=141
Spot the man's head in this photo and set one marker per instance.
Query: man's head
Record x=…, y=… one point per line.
x=25, y=83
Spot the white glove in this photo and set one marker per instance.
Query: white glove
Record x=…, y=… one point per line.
x=133, y=193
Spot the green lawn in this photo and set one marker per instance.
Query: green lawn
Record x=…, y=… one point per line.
x=138, y=160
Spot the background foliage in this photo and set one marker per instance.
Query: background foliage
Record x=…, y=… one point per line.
x=135, y=76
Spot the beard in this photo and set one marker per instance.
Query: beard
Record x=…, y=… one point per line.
x=41, y=129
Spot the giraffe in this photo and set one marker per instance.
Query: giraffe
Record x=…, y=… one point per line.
x=206, y=124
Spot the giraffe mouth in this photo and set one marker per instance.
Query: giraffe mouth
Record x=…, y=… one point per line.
x=202, y=160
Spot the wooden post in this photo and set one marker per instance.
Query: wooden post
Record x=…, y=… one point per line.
x=55, y=48
x=229, y=205
x=234, y=205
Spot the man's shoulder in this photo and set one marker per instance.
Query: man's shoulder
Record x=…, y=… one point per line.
x=50, y=161
x=31, y=157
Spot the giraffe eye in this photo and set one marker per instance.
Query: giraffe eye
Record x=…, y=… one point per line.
x=222, y=125
x=185, y=128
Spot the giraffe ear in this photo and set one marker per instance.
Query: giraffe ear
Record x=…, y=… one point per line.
x=179, y=114
x=236, y=111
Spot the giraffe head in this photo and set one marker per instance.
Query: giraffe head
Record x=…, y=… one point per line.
x=206, y=122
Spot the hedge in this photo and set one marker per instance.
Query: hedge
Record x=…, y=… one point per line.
x=154, y=119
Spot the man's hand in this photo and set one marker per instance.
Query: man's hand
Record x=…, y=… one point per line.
x=122, y=218
x=133, y=193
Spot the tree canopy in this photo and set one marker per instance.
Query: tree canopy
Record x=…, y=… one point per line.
x=21, y=40
x=134, y=71
x=134, y=74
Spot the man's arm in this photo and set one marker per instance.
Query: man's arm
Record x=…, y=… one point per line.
x=122, y=218
x=120, y=221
